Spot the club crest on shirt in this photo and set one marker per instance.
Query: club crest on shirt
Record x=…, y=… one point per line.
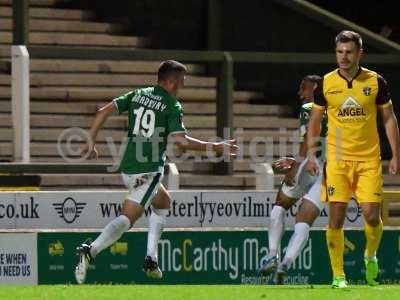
x=367, y=91
x=331, y=190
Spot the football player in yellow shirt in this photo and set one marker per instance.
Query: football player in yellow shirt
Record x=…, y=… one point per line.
x=352, y=96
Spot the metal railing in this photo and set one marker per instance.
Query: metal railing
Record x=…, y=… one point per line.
x=336, y=22
x=87, y=168
x=224, y=61
x=390, y=198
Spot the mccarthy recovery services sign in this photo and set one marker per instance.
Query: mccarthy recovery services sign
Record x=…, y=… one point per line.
x=85, y=209
x=209, y=257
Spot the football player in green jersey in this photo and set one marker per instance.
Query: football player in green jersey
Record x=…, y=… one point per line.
x=155, y=116
x=298, y=184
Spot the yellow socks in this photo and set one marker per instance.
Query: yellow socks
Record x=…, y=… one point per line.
x=373, y=236
x=335, y=243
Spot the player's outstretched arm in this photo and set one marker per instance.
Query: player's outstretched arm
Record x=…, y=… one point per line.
x=101, y=116
x=186, y=142
x=392, y=133
x=313, y=132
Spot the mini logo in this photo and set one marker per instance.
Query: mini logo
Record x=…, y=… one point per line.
x=367, y=91
x=119, y=248
x=69, y=210
x=331, y=190
x=56, y=248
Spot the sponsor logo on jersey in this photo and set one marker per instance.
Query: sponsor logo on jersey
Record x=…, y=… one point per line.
x=351, y=108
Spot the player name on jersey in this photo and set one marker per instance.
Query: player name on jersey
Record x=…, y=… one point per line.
x=150, y=101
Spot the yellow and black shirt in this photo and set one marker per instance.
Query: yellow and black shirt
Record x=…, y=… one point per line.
x=352, y=107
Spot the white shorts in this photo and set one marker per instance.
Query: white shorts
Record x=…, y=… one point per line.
x=306, y=186
x=142, y=187
x=314, y=194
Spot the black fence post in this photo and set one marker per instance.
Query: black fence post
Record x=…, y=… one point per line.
x=21, y=22
x=225, y=111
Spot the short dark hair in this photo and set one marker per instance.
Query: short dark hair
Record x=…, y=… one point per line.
x=170, y=68
x=312, y=78
x=346, y=36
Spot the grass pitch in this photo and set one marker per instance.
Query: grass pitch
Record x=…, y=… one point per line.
x=187, y=292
